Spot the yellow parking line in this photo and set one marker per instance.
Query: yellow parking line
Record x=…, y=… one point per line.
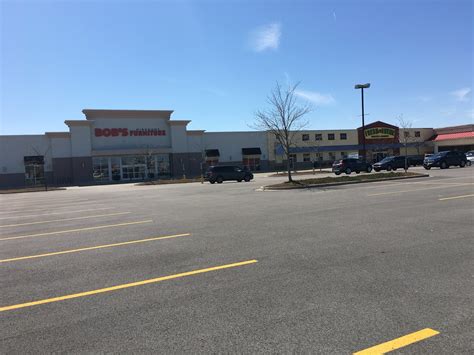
x=95, y=247
x=425, y=188
x=65, y=219
x=64, y=212
x=76, y=230
x=455, y=197
x=399, y=342
x=123, y=286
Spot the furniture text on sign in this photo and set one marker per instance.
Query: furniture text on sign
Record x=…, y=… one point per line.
x=379, y=132
x=125, y=132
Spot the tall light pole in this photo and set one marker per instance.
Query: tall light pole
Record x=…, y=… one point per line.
x=362, y=87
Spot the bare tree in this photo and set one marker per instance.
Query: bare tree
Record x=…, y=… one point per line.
x=284, y=118
x=405, y=136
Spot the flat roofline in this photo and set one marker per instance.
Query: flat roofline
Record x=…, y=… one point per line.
x=23, y=135
x=110, y=113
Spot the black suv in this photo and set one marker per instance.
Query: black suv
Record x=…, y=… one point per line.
x=227, y=172
x=391, y=163
x=348, y=165
x=446, y=159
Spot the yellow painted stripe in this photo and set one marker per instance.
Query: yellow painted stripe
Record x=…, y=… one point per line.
x=65, y=219
x=64, y=212
x=455, y=197
x=95, y=247
x=76, y=230
x=123, y=286
x=425, y=188
x=399, y=342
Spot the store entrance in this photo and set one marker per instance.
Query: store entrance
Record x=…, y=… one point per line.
x=134, y=172
x=252, y=163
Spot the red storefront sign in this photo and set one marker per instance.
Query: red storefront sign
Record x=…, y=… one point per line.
x=125, y=132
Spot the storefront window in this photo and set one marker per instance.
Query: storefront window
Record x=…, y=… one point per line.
x=163, y=164
x=100, y=168
x=151, y=166
x=115, y=168
x=34, y=174
x=134, y=160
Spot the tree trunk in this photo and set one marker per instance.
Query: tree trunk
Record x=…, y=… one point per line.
x=290, y=179
x=406, y=158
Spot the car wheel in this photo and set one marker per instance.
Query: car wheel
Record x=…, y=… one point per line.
x=219, y=179
x=444, y=165
x=247, y=178
x=348, y=171
x=389, y=168
x=212, y=181
x=394, y=169
x=239, y=180
x=357, y=171
x=337, y=173
x=468, y=163
x=462, y=164
x=427, y=167
x=369, y=169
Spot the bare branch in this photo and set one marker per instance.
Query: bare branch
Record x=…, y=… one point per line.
x=284, y=118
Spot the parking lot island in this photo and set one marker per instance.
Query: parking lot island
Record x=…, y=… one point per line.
x=343, y=180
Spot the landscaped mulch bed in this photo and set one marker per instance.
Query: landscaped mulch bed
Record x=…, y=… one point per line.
x=300, y=173
x=342, y=180
x=168, y=181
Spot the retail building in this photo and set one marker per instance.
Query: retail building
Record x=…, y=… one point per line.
x=132, y=145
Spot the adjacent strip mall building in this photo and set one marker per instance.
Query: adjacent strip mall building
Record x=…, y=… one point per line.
x=132, y=145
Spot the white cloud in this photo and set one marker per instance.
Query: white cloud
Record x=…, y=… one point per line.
x=461, y=94
x=316, y=97
x=266, y=37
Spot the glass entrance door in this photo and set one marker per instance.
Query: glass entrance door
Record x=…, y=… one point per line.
x=134, y=172
x=252, y=163
x=34, y=174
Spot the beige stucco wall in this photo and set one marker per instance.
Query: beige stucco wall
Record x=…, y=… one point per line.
x=312, y=142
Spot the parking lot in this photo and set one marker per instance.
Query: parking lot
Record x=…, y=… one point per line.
x=205, y=268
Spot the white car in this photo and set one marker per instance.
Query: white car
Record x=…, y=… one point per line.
x=470, y=157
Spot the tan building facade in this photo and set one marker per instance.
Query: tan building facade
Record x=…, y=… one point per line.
x=325, y=146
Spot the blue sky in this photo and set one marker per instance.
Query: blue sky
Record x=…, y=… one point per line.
x=214, y=62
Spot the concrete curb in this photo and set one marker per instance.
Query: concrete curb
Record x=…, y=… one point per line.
x=269, y=188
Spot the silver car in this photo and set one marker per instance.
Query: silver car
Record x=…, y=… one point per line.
x=470, y=157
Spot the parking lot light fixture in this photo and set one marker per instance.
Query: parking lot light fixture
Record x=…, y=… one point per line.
x=362, y=87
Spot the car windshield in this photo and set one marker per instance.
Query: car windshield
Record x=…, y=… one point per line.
x=386, y=160
x=439, y=155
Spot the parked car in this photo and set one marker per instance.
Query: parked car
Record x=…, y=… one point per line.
x=348, y=165
x=446, y=159
x=415, y=160
x=223, y=173
x=470, y=157
x=391, y=163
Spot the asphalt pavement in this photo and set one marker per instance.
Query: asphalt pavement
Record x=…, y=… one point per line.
x=225, y=268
